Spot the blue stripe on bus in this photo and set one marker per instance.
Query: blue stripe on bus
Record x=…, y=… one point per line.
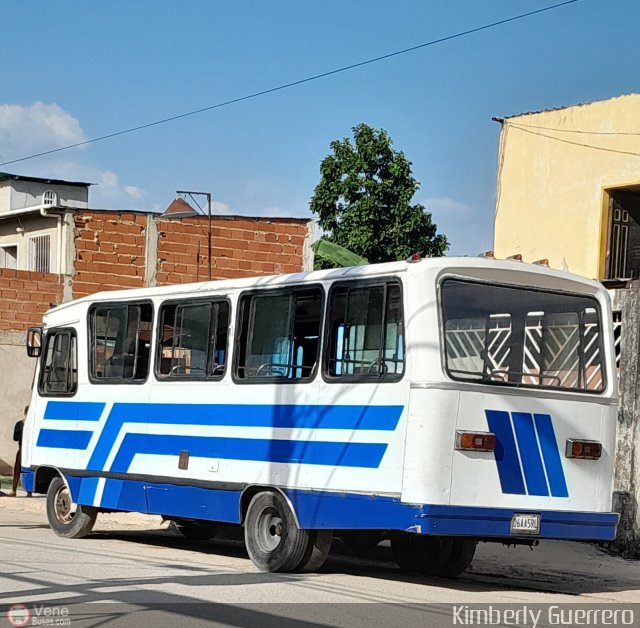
x=551, y=455
x=64, y=439
x=343, y=417
x=530, y=454
x=73, y=411
x=362, y=455
x=505, y=452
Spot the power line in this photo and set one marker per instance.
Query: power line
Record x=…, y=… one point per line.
x=294, y=83
x=565, y=141
x=579, y=131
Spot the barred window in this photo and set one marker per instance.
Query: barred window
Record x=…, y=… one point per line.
x=40, y=254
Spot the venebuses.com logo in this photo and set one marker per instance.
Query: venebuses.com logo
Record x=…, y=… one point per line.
x=18, y=615
x=38, y=615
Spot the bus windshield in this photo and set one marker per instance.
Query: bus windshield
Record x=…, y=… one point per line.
x=504, y=335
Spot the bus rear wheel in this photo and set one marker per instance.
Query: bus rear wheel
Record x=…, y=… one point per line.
x=425, y=555
x=66, y=518
x=462, y=552
x=273, y=539
x=316, y=552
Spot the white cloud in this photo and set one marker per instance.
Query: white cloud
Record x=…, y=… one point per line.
x=109, y=180
x=38, y=127
x=220, y=208
x=134, y=191
x=445, y=205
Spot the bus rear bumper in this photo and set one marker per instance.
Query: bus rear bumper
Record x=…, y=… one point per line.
x=351, y=511
x=496, y=522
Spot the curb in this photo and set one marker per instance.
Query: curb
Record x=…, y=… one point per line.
x=37, y=504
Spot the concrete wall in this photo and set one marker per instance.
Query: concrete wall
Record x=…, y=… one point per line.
x=25, y=194
x=16, y=371
x=627, y=459
x=31, y=225
x=552, y=199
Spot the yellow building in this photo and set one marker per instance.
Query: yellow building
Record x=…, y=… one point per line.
x=569, y=188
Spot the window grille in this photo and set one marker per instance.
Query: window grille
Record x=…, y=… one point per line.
x=40, y=254
x=49, y=198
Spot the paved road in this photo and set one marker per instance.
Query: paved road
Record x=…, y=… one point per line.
x=133, y=560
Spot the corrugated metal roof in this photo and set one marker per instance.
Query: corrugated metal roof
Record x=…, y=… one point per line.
x=579, y=104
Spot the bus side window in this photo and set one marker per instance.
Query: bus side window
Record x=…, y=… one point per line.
x=365, y=332
x=279, y=335
x=193, y=341
x=59, y=375
x=120, y=342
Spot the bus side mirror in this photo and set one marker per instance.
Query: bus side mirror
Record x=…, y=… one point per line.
x=34, y=342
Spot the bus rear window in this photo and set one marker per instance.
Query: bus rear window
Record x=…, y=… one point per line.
x=499, y=334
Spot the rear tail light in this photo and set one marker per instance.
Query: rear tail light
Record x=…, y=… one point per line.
x=475, y=441
x=583, y=449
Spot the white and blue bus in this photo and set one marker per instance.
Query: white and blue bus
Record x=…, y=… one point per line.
x=437, y=402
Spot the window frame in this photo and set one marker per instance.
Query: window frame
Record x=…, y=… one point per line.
x=101, y=381
x=43, y=356
x=512, y=385
x=362, y=378
x=279, y=290
x=159, y=332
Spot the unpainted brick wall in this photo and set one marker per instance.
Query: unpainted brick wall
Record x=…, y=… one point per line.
x=110, y=251
x=241, y=247
x=25, y=296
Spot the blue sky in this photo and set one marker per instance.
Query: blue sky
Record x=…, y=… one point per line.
x=75, y=70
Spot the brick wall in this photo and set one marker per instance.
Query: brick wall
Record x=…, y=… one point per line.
x=241, y=247
x=110, y=251
x=25, y=296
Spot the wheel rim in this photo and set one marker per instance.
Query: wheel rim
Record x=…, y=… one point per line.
x=63, y=506
x=270, y=529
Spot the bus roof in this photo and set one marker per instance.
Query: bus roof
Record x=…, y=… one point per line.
x=389, y=268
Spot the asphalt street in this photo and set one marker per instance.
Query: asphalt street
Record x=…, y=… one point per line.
x=135, y=562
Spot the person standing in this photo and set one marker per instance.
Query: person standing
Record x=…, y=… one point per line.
x=17, y=437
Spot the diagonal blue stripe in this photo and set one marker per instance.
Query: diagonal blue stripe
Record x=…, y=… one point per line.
x=64, y=439
x=551, y=455
x=530, y=454
x=363, y=455
x=378, y=418
x=73, y=411
x=505, y=452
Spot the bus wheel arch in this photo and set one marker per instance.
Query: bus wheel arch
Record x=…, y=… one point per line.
x=251, y=491
x=43, y=477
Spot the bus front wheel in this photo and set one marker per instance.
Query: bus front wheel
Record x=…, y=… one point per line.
x=66, y=518
x=273, y=539
x=425, y=555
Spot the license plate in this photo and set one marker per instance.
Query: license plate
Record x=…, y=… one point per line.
x=525, y=524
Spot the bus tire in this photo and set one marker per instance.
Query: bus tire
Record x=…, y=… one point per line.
x=63, y=519
x=462, y=552
x=272, y=537
x=316, y=552
x=195, y=532
x=415, y=553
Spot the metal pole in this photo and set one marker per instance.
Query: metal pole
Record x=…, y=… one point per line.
x=209, y=212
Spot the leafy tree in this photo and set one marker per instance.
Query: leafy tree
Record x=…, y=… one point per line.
x=363, y=201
